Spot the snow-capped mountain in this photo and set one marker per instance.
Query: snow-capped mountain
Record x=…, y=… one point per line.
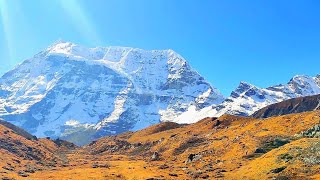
x=80, y=93
x=247, y=98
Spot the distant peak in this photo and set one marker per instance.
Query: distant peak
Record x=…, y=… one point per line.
x=245, y=84
x=242, y=88
x=299, y=78
x=302, y=76
x=59, y=42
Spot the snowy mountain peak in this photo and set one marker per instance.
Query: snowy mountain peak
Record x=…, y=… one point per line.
x=299, y=79
x=121, y=55
x=242, y=89
x=244, y=86
x=246, y=98
x=60, y=44
x=74, y=50
x=304, y=85
x=69, y=89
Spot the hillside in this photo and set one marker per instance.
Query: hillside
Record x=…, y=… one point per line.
x=22, y=153
x=295, y=105
x=17, y=130
x=228, y=147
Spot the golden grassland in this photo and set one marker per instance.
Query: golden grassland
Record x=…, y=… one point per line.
x=229, y=147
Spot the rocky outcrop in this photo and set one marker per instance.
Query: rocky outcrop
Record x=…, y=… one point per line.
x=313, y=132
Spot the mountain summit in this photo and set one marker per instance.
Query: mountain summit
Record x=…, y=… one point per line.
x=247, y=99
x=81, y=94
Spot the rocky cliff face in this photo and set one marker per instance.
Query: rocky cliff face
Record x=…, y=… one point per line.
x=81, y=94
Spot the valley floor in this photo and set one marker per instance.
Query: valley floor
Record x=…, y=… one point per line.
x=85, y=166
x=108, y=167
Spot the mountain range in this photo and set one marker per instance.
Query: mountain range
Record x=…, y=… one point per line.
x=229, y=147
x=138, y=114
x=247, y=99
x=80, y=94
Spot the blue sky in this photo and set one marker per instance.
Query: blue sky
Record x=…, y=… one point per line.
x=261, y=42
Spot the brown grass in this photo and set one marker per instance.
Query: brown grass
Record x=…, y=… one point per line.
x=222, y=145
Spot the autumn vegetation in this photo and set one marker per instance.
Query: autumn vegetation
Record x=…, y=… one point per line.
x=229, y=147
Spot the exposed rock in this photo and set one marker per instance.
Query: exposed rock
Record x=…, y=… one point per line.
x=278, y=170
x=193, y=157
x=155, y=156
x=23, y=174
x=164, y=166
x=173, y=174
x=7, y=178
x=313, y=132
x=97, y=165
x=189, y=143
x=155, y=178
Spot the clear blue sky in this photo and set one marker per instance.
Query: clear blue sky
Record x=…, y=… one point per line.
x=261, y=42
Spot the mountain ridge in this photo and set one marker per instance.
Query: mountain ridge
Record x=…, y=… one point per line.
x=247, y=98
x=67, y=89
x=290, y=106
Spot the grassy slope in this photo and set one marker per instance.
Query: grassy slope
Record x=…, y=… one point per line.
x=20, y=154
x=227, y=147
